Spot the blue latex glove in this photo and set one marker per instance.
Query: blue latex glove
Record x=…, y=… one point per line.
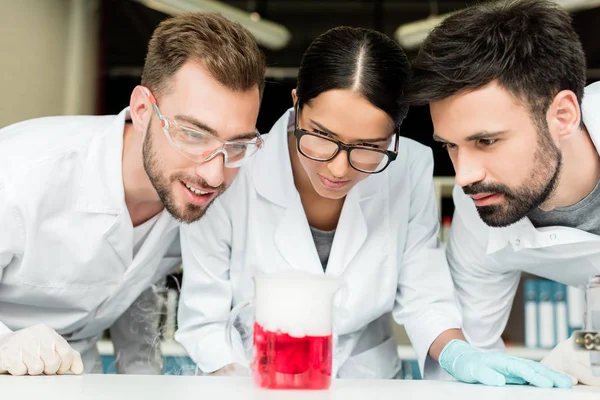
x=467, y=364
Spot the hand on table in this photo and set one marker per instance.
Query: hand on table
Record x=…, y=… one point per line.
x=467, y=364
x=571, y=361
x=36, y=350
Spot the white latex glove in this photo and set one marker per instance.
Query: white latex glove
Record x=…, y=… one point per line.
x=36, y=350
x=571, y=361
x=232, y=370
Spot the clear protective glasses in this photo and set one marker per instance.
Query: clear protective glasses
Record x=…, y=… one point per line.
x=201, y=146
x=319, y=146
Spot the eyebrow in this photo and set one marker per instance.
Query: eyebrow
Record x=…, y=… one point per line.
x=439, y=139
x=476, y=136
x=201, y=125
x=330, y=132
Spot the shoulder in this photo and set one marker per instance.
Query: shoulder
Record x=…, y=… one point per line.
x=37, y=141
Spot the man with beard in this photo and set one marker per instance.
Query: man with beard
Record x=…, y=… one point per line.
x=90, y=205
x=505, y=84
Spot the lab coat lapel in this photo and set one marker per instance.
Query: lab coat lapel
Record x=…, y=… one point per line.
x=160, y=231
x=351, y=231
x=273, y=180
x=294, y=240
x=120, y=237
x=102, y=192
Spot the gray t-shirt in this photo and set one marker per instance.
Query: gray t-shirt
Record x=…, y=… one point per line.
x=323, y=241
x=584, y=215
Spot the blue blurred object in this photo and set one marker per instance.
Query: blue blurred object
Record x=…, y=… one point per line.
x=172, y=365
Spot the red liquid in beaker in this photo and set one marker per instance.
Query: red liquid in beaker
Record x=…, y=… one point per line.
x=285, y=362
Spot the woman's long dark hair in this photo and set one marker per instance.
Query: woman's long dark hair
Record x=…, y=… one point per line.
x=358, y=59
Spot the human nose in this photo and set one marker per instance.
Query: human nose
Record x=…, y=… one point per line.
x=212, y=171
x=468, y=168
x=339, y=165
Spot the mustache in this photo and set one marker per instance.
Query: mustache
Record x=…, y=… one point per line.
x=197, y=181
x=479, y=187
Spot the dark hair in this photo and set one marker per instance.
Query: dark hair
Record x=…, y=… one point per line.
x=528, y=46
x=225, y=48
x=362, y=60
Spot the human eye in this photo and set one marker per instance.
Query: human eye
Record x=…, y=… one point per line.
x=238, y=145
x=195, y=136
x=487, y=142
x=448, y=146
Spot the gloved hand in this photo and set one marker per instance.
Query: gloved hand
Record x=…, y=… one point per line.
x=233, y=370
x=574, y=362
x=35, y=350
x=467, y=364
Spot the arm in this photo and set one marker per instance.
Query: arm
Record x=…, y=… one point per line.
x=36, y=349
x=206, y=294
x=441, y=341
x=485, y=292
x=12, y=235
x=425, y=302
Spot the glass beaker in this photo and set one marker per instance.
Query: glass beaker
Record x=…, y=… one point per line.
x=292, y=330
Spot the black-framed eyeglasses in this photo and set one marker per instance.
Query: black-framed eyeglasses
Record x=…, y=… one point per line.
x=319, y=147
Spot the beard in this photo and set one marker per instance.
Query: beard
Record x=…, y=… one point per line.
x=537, y=188
x=154, y=168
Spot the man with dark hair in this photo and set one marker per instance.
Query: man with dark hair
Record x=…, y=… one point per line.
x=505, y=84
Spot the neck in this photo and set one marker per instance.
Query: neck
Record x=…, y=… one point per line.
x=580, y=171
x=140, y=196
x=321, y=213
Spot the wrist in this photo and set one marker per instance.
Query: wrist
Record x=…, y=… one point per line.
x=454, y=349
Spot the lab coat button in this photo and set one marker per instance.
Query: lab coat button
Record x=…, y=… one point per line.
x=553, y=236
x=517, y=242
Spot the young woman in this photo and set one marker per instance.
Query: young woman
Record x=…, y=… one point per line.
x=337, y=191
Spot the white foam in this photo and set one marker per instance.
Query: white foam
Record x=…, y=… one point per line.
x=296, y=303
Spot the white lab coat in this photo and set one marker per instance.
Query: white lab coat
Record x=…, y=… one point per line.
x=385, y=247
x=486, y=263
x=66, y=240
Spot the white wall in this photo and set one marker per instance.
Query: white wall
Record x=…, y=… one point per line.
x=48, y=58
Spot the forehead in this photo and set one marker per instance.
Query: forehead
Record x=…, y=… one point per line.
x=194, y=92
x=491, y=109
x=348, y=114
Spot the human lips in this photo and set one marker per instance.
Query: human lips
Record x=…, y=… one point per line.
x=331, y=183
x=486, y=199
x=196, y=194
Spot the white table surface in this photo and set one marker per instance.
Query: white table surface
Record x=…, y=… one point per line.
x=139, y=387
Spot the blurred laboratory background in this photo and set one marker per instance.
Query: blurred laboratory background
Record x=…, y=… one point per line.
x=66, y=57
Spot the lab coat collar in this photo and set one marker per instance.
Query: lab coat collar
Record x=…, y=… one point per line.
x=279, y=187
x=499, y=238
x=273, y=180
x=523, y=233
x=102, y=176
x=272, y=174
x=102, y=192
